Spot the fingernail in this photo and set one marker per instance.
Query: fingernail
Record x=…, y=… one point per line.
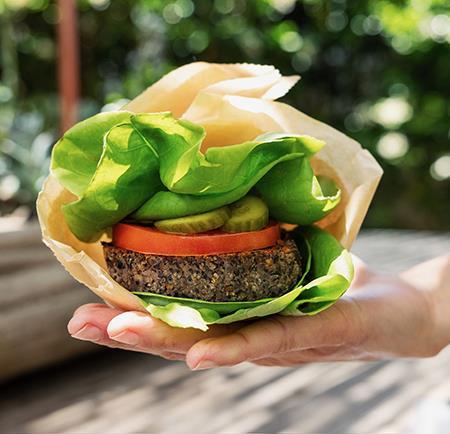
x=204, y=364
x=126, y=337
x=88, y=333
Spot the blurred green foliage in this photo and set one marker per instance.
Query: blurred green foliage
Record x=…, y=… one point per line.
x=377, y=70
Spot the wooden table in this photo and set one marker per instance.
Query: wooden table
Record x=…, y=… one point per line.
x=37, y=298
x=118, y=392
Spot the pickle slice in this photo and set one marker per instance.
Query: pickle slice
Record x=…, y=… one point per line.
x=247, y=214
x=196, y=223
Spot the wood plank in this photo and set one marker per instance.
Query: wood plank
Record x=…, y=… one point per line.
x=33, y=333
x=395, y=250
x=19, y=258
x=34, y=283
x=37, y=298
x=27, y=236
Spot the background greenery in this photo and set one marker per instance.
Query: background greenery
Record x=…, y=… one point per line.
x=377, y=70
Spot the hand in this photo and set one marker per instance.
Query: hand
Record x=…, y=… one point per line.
x=379, y=317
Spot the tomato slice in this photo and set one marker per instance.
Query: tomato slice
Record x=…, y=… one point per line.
x=149, y=240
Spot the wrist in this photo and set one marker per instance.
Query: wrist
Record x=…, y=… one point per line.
x=431, y=279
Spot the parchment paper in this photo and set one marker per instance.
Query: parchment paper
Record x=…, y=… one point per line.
x=234, y=103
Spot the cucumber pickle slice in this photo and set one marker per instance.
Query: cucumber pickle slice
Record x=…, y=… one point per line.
x=247, y=214
x=193, y=224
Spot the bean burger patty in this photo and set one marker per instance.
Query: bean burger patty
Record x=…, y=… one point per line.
x=243, y=276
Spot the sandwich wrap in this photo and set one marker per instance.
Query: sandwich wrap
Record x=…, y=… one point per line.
x=234, y=103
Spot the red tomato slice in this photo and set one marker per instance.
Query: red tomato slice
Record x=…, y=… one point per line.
x=149, y=240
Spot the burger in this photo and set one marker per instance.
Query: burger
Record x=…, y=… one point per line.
x=199, y=215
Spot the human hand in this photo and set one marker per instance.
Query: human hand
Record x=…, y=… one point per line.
x=379, y=317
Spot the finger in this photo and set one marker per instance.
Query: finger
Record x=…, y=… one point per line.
x=95, y=315
x=133, y=331
x=90, y=322
x=142, y=331
x=340, y=325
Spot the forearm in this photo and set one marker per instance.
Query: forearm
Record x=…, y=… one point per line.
x=432, y=278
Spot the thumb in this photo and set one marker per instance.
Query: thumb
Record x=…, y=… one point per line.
x=339, y=325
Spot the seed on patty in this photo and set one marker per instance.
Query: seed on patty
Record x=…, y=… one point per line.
x=243, y=276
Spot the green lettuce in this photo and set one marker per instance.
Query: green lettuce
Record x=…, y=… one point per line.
x=294, y=195
x=328, y=272
x=125, y=176
x=75, y=156
x=148, y=167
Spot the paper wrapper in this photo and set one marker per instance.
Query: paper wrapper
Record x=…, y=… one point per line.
x=234, y=103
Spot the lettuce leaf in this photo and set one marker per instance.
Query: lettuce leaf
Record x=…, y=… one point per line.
x=224, y=175
x=149, y=166
x=76, y=154
x=126, y=175
x=328, y=274
x=294, y=195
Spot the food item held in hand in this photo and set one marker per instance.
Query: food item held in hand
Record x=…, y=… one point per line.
x=175, y=204
x=248, y=275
